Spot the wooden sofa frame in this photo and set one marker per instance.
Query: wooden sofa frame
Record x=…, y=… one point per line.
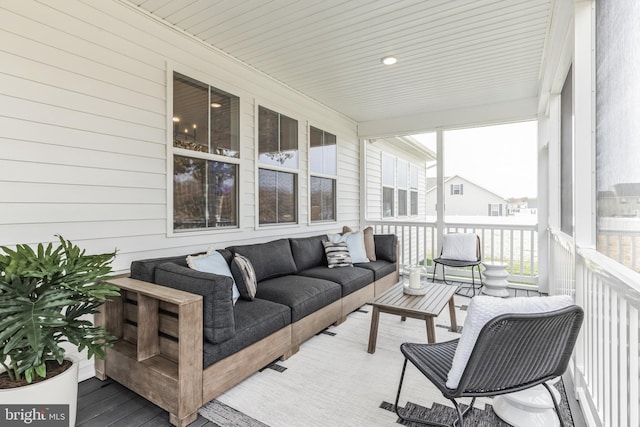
x=161, y=358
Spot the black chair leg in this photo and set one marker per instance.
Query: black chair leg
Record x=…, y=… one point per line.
x=409, y=419
x=555, y=404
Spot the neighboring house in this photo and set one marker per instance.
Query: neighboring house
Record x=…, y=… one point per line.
x=396, y=178
x=621, y=200
x=522, y=206
x=463, y=197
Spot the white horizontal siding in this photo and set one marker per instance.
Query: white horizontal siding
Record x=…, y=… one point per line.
x=83, y=108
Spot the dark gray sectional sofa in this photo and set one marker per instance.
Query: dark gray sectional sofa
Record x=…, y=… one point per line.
x=298, y=295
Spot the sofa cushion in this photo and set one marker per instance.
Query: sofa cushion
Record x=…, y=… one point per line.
x=349, y=279
x=213, y=262
x=271, y=259
x=308, y=251
x=245, y=277
x=145, y=269
x=216, y=291
x=380, y=268
x=337, y=254
x=386, y=247
x=303, y=295
x=254, y=321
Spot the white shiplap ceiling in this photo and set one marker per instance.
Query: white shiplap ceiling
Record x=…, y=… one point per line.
x=451, y=53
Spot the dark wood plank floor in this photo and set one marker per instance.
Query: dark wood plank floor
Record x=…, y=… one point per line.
x=107, y=403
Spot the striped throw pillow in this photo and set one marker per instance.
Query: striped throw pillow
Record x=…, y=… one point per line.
x=245, y=277
x=337, y=254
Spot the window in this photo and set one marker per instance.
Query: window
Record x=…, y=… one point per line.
x=278, y=172
x=456, y=189
x=388, y=185
x=403, y=181
x=323, y=170
x=495, y=209
x=205, y=150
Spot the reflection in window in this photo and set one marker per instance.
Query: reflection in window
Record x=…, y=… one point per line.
x=323, y=165
x=277, y=197
x=323, y=200
x=387, y=202
x=277, y=139
x=204, y=193
x=205, y=146
x=195, y=106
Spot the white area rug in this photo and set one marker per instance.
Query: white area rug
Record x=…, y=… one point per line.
x=333, y=381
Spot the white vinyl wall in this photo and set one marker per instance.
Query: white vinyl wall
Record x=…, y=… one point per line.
x=84, y=112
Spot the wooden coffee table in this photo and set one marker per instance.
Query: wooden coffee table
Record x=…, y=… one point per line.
x=425, y=307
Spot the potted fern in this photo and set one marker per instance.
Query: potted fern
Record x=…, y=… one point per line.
x=46, y=298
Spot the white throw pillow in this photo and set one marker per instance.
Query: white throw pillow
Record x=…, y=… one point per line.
x=355, y=244
x=460, y=246
x=213, y=262
x=484, y=308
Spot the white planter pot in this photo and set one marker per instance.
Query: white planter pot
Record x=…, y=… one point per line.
x=59, y=390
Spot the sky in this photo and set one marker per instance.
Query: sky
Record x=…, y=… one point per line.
x=501, y=158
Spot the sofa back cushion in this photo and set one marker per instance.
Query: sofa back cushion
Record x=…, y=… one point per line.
x=386, y=247
x=216, y=290
x=145, y=269
x=271, y=259
x=308, y=252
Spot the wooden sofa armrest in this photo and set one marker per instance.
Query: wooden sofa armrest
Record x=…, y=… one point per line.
x=158, y=351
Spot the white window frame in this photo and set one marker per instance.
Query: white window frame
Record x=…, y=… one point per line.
x=172, y=151
x=321, y=175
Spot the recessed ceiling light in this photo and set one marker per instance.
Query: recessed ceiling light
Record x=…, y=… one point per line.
x=389, y=60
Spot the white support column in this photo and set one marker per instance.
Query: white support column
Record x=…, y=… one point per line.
x=439, y=190
x=543, y=204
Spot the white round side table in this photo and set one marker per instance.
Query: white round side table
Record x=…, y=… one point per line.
x=528, y=408
x=495, y=279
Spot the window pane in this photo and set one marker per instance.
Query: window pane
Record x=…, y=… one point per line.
x=414, y=203
x=225, y=123
x=388, y=170
x=204, y=193
x=617, y=130
x=190, y=114
x=387, y=202
x=322, y=155
x=189, y=183
x=268, y=131
x=414, y=177
x=222, y=194
x=286, y=197
x=268, y=196
x=322, y=199
x=403, y=175
x=277, y=197
x=402, y=202
x=277, y=139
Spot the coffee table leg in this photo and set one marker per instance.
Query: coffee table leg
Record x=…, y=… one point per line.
x=452, y=315
x=373, y=332
x=431, y=330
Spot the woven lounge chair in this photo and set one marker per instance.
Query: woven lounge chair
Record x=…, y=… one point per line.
x=460, y=250
x=513, y=352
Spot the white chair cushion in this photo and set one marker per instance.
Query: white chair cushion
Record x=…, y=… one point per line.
x=481, y=310
x=460, y=246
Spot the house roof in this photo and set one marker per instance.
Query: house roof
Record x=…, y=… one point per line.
x=451, y=54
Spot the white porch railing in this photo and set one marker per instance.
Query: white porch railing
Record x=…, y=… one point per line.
x=606, y=363
x=515, y=245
